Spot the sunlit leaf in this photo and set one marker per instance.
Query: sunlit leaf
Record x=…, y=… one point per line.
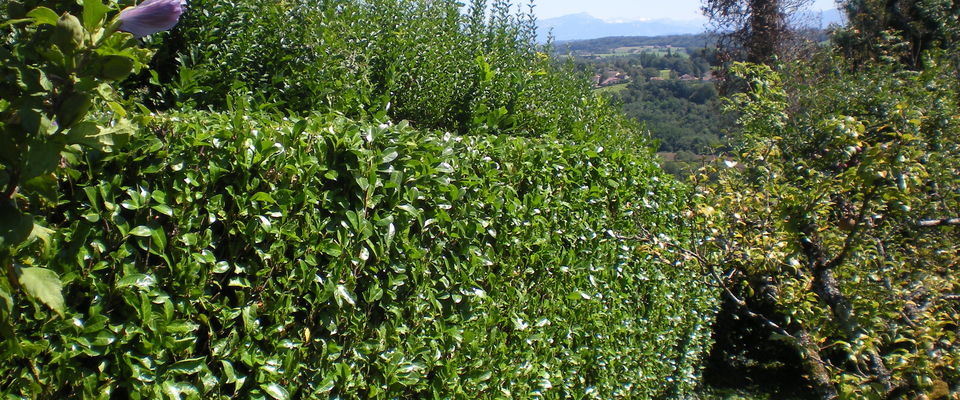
x=276, y=391
x=94, y=12
x=343, y=294
x=44, y=285
x=188, y=367
x=141, y=230
x=44, y=15
x=141, y=281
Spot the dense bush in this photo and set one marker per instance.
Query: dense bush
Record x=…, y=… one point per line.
x=437, y=64
x=241, y=253
x=251, y=255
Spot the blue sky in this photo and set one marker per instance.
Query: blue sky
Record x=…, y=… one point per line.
x=634, y=9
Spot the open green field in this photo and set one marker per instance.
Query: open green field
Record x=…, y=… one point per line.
x=656, y=50
x=612, y=88
x=638, y=50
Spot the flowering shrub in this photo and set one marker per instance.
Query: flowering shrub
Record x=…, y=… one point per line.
x=54, y=68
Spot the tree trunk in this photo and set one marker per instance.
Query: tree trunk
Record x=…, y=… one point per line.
x=767, y=31
x=818, y=373
x=827, y=288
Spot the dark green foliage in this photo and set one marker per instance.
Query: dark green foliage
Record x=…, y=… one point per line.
x=744, y=357
x=647, y=64
x=682, y=115
x=279, y=50
x=249, y=255
x=899, y=30
x=257, y=254
x=52, y=72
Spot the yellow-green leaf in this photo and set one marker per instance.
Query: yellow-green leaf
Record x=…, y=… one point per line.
x=44, y=285
x=43, y=15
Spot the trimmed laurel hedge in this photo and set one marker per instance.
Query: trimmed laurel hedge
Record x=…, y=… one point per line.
x=252, y=256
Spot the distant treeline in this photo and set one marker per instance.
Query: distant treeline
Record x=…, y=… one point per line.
x=643, y=66
x=607, y=44
x=702, y=40
x=683, y=115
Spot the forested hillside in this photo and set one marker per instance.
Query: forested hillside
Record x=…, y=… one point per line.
x=389, y=199
x=607, y=44
x=672, y=91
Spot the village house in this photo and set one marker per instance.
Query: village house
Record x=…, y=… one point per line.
x=610, y=77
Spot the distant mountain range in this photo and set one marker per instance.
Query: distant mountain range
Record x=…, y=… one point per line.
x=820, y=19
x=584, y=26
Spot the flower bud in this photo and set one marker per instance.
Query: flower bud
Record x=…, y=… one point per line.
x=68, y=35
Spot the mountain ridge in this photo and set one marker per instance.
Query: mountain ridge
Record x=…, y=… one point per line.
x=583, y=26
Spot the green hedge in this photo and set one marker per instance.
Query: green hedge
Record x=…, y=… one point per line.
x=439, y=64
x=256, y=256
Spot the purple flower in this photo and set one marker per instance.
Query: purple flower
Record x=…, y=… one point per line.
x=150, y=17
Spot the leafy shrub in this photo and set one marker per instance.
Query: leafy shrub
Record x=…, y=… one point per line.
x=840, y=216
x=245, y=254
x=55, y=67
x=435, y=63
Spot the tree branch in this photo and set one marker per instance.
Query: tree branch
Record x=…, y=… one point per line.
x=827, y=288
x=801, y=340
x=12, y=185
x=705, y=265
x=927, y=223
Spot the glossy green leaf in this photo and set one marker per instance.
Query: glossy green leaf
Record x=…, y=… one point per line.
x=142, y=231
x=250, y=322
x=189, y=366
x=140, y=281
x=228, y=370
x=276, y=391
x=343, y=294
x=176, y=390
x=327, y=384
